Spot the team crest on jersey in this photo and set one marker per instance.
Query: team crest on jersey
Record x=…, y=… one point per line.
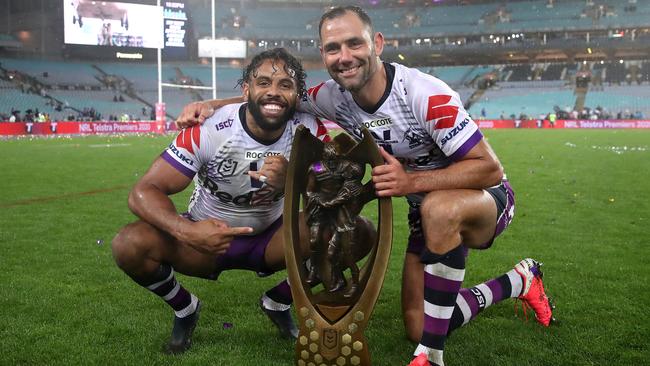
x=227, y=168
x=415, y=138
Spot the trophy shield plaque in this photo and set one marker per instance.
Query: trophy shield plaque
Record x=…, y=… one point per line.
x=333, y=297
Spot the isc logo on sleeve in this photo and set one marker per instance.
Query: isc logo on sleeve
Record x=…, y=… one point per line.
x=257, y=155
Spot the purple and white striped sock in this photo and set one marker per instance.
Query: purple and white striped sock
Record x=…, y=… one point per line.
x=442, y=281
x=472, y=301
x=183, y=302
x=278, y=298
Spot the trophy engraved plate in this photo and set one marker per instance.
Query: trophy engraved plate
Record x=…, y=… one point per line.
x=334, y=295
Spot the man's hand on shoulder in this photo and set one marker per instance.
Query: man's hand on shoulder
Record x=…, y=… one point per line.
x=193, y=114
x=197, y=112
x=212, y=236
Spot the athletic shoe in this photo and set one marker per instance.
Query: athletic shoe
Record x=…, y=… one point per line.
x=421, y=360
x=282, y=320
x=533, y=294
x=181, y=339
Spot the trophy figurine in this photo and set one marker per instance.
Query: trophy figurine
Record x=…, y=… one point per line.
x=334, y=295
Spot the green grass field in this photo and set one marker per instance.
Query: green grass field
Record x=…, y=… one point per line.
x=583, y=208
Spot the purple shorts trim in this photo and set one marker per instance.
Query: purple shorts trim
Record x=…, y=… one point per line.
x=246, y=252
x=503, y=196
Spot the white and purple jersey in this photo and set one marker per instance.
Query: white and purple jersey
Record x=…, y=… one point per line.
x=420, y=120
x=219, y=153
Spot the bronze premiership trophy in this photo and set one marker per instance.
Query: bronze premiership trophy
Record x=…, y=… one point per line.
x=333, y=296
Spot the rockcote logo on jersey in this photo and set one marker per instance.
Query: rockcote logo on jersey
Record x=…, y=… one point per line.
x=257, y=155
x=378, y=123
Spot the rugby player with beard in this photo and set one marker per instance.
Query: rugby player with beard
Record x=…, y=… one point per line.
x=436, y=157
x=238, y=161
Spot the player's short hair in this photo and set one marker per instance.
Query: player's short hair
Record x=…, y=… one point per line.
x=292, y=66
x=339, y=11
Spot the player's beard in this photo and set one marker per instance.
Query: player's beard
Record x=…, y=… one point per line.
x=267, y=124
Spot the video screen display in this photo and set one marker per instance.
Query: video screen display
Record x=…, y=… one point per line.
x=175, y=17
x=115, y=24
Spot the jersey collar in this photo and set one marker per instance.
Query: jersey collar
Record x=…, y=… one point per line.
x=390, y=75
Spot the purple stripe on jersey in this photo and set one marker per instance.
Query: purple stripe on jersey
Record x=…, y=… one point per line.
x=496, y=288
x=435, y=326
x=467, y=146
x=180, y=167
x=440, y=284
x=470, y=300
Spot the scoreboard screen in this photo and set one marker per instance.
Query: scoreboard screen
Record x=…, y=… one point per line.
x=112, y=24
x=175, y=18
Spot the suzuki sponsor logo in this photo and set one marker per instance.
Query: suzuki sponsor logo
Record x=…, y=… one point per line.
x=454, y=131
x=257, y=155
x=443, y=115
x=180, y=155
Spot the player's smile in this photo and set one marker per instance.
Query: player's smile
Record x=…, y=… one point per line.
x=271, y=95
x=348, y=51
x=273, y=109
x=349, y=71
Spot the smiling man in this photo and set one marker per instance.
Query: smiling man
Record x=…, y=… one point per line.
x=238, y=160
x=437, y=158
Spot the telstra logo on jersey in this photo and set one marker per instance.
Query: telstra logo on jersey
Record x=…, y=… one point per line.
x=257, y=155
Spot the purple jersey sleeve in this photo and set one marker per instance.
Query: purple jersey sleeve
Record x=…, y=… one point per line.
x=182, y=153
x=443, y=116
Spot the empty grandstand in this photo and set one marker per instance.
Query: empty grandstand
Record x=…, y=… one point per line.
x=507, y=60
